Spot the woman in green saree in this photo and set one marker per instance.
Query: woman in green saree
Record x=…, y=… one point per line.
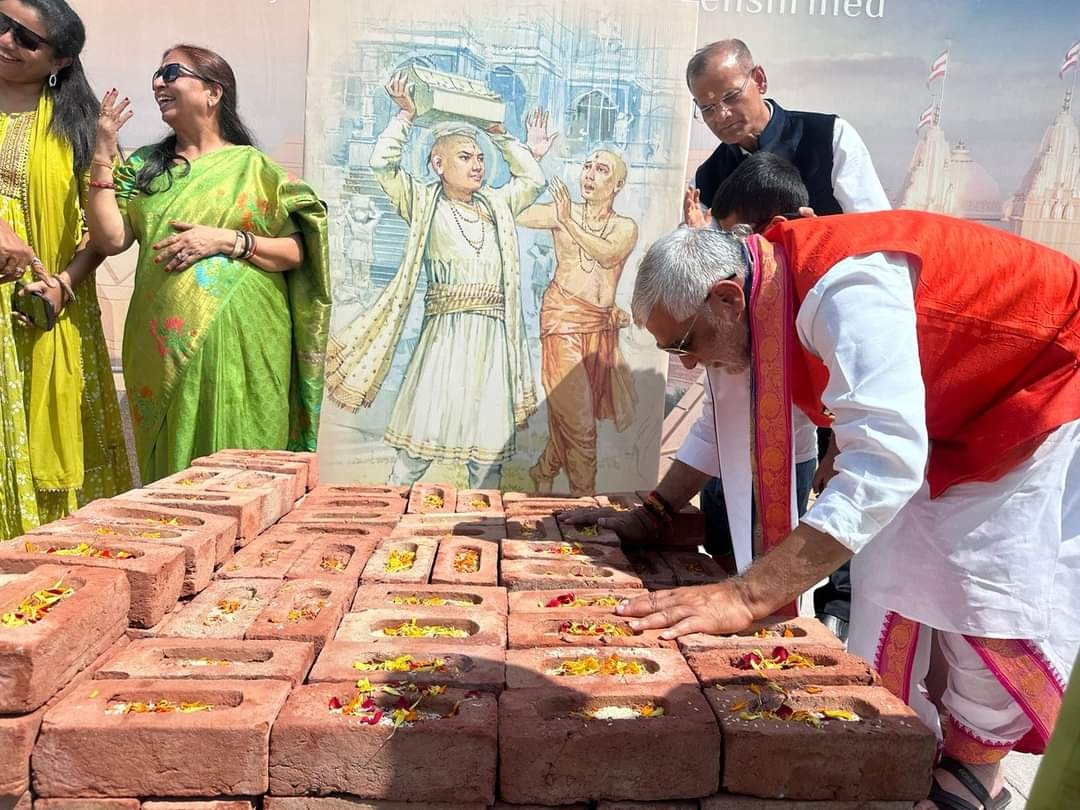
x=61, y=441
x=224, y=339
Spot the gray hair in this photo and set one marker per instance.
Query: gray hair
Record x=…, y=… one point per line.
x=679, y=270
x=699, y=62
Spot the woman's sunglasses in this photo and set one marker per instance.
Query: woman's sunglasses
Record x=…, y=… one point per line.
x=174, y=70
x=25, y=38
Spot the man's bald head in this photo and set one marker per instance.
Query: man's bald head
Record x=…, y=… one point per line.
x=724, y=52
x=458, y=159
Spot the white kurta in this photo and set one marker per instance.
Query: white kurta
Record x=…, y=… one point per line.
x=856, y=187
x=998, y=559
x=464, y=354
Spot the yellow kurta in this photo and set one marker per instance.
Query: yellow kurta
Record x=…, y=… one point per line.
x=26, y=502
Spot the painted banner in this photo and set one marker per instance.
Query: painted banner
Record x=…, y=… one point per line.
x=495, y=171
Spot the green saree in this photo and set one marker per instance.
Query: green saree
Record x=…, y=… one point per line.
x=224, y=354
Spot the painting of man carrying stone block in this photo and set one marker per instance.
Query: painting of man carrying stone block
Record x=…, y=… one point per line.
x=471, y=357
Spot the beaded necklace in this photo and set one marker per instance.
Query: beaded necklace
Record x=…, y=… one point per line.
x=461, y=221
x=602, y=232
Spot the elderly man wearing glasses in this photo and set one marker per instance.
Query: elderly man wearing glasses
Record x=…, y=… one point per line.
x=729, y=96
x=946, y=356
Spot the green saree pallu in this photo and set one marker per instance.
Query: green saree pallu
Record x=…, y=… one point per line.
x=224, y=354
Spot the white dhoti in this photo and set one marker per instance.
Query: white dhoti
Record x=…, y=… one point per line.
x=993, y=569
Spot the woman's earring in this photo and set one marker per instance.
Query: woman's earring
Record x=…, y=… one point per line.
x=52, y=80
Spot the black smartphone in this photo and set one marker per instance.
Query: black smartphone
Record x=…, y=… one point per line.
x=35, y=306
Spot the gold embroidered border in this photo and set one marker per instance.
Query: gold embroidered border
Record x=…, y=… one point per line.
x=15, y=161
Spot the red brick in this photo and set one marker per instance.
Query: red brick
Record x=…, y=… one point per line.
x=623, y=501
x=480, y=668
x=84, y=751
x=276, y=490
x=479, y=500
x=287, y=456
x=134, y=633
x=444, y=498
x=337, y=557
x=547, y=754
x=529, y=575
x=833, y=667
x=687, y=805
x=687, y=528
x=17, y=735
x=486, y=573
x=202, y=618
x=268, y=556
x=206, y=804
x=537, y=601
x=321, y=516
x=532, y=668
x=86, y=804
x=345, y=802
x=485, y=628
x=481, y=526
x=584, y=533
x=653, y=569
x=38, y=659
x=389, y=506
x=155, y=573
x=535, y=527
x=527, y=630
x=200, y=659
x=469, y=599
x=220, y=527
x=246, y=508
x=200, y=552
x=725, y=801
x=805, y=631
x=567, y=550
x=888, y=754
x=522, y=502
x=450, y=759
x=25, y=801
x=385, y=491
x=348, y=532
x=297, y=470
x=19, y=732
x=304, y=610
x=424, y=549
x=692, y=568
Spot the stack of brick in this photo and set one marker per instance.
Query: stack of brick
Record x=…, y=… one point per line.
x=393, y=648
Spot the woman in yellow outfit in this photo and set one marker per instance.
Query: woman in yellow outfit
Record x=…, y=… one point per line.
x=61, y=443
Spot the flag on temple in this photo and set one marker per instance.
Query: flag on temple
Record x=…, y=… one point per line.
x=938, y=68
x=927, y=117
x=1072, y=59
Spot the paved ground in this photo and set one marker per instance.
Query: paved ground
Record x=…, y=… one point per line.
x=1019, y=774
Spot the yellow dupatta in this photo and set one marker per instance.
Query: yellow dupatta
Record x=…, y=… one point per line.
x=54, y=220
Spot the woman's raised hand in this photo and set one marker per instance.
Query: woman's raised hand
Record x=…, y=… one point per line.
x=114, y=114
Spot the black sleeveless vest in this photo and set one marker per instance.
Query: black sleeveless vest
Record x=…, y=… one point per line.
x=804, y=138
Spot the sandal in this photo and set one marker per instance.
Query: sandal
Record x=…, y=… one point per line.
x=950, y=801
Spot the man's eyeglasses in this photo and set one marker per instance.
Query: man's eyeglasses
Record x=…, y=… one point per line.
x=679, y=349
x=727, y=101
x=25, y=38
x=174, y=70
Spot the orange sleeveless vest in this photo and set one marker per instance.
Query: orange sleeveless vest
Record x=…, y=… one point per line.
x=998, y=322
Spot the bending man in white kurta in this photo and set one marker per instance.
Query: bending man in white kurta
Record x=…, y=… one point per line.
x=956, y=489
